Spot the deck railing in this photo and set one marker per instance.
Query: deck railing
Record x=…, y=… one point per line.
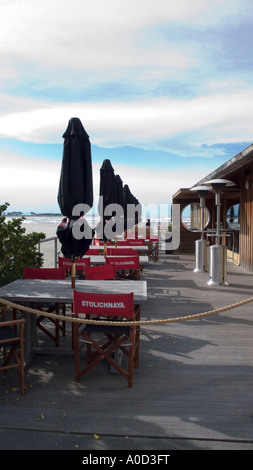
x=55, y=239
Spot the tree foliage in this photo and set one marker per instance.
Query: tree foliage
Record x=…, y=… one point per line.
x=17, y=249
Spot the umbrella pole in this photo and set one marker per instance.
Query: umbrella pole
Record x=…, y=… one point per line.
x=116, y=241
x=73, y=274
x=104, y=249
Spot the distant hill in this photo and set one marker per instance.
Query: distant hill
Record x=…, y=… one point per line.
x=45, y=214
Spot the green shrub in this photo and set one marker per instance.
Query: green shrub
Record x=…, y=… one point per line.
x=17, y=249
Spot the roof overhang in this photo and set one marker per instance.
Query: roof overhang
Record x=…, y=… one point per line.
x=232, y=166
x=229, y=170
x=185, y=194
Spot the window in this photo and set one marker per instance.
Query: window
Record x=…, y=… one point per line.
x=191, y=216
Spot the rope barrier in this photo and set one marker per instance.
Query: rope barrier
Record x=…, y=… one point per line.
x=124, y=323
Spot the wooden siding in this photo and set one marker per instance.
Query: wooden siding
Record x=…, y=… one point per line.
x=246, y=223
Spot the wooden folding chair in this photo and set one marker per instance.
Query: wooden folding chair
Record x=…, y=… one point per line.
x=49, y=273
x=153, y=248
x=12, y=342
x=126, y=267
x=93, y=273
x=126, y=338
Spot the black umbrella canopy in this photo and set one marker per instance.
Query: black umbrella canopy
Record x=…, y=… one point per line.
x=118, y=227
x=107, y=187
x=107, y=195
x=119, y=191
x=138, y=212
x=75, y=187
x=129, y=199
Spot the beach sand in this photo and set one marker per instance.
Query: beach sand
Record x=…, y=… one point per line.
x=47, y=248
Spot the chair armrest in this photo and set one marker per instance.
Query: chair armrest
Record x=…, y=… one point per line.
x=12, y=322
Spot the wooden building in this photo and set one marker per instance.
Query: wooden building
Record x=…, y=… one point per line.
x=236, y=210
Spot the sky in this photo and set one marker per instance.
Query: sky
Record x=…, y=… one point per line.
x=163, y=88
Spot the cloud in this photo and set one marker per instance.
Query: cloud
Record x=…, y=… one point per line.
x=97, y=40
x=79, y=50
x=29, y=184
x=32, y=184
x=221, y=117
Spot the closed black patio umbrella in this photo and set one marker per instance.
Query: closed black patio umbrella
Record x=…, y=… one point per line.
x=107, y=195
x=75, y=187
x=130, y=219
x=119, y=191
x=119, y=228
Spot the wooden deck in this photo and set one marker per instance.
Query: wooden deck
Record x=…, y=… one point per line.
x=193, y=389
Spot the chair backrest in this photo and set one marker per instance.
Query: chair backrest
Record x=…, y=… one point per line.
x=120, y=305
x=121, y=252
x=44, y=273
x=67, y=263
x=82, y=263
x=126, y=262
x=137, y=242
x=132, y=242
x=98, y=242
x=93, y=273
x=93, y=252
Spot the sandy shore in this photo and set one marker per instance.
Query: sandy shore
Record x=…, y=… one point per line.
x=47, y=248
